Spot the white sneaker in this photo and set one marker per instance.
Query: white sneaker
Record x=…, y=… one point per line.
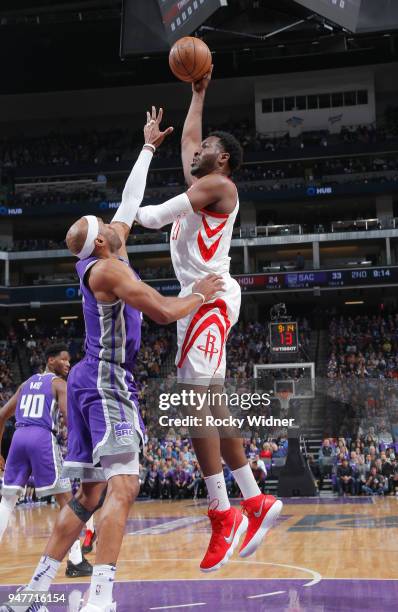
x=93, y=608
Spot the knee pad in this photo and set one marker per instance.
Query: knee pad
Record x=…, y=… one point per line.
x=122, y=464
x=81, y=512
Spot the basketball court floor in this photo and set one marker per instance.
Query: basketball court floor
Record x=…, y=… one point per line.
x=325, y=554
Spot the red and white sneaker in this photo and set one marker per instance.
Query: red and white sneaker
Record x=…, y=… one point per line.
x=262, y=512
x=227, y=528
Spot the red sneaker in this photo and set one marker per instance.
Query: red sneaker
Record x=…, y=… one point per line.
x=262, y=512
x=227, y=528
x=88, y=542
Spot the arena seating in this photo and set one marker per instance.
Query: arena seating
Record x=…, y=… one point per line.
x=100, y=148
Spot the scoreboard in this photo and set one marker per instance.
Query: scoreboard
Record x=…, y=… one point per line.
x=181, y=17
x=153, y=26
x=283, y=337
x=324, y=279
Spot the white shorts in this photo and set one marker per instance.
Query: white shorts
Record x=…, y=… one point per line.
x=201, y=337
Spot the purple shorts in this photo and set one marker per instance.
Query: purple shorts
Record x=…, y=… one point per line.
x=103, y=417
x=34, y=451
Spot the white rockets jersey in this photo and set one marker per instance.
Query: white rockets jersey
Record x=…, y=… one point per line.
x=200, y=243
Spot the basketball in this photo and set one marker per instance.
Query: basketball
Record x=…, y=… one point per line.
x=190, y=59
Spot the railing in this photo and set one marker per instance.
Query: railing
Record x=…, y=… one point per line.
x=252, y=231
x=148, y=238
x=358, y=224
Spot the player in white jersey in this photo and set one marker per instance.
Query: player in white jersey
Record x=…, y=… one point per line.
x=203, y=219
x=200, y=242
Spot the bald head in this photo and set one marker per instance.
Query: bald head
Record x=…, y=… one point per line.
x=76, y=236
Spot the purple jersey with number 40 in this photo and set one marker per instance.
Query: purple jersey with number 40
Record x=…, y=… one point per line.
x=36, y=403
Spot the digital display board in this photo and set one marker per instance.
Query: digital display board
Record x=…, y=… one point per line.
x=182, y=17
x=333, y=279
x=283, y=337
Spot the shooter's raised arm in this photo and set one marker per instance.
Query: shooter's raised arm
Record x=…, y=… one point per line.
x=192, y=131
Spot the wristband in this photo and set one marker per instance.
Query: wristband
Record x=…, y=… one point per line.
x=151, y=146
x=200, y=295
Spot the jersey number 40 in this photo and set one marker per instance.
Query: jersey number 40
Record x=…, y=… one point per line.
x=32, y=406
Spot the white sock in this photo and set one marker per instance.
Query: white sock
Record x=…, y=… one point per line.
x=90, y=523
x=7, y=506
x=75, y=553
x=217, y=492
x=246, y=481
x=45, y=573
x=101, y=585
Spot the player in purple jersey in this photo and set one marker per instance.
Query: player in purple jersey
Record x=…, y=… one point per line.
x=105, y=431
x=34, y=448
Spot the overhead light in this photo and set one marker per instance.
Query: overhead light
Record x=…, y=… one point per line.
x=32, y=319
x=328, y=27
x=315, y=42
x=22, y=320
x=69, y=317
x=354, y=302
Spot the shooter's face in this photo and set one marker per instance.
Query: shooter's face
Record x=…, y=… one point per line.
x=206, y=158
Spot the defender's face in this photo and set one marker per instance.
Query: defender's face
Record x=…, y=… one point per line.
x=61, y=364
x=205, y=160
x=111, y=236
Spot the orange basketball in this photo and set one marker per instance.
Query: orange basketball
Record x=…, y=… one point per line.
x=190, y=59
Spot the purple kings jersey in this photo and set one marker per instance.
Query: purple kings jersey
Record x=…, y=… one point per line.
x=36, y=403
x=113, y=331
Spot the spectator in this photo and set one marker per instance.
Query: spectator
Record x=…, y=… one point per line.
x=345, y=479
x=259, y=475
x=375, y=483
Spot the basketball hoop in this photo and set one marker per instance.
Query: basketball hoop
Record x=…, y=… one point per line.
x=284, y=398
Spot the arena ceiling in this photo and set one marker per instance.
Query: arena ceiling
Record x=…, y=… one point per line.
x=52, y=45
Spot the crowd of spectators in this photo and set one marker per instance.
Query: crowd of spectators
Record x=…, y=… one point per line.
x=364, y=346
x=362, y=375
x=365, y=465
x=6, y=376
x=59, y=149
x=355, y=165
x=50, y=200
x=170, y=470
x=116, y=145
x=268, y=177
